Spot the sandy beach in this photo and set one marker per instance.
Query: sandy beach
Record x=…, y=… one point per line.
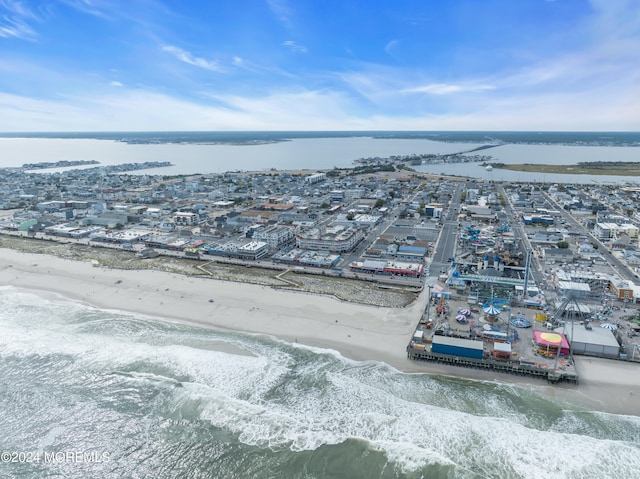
x=357, y=331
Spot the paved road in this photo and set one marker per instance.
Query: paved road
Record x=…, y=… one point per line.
x=517, y=227
x=446, y=245
x=621, y=268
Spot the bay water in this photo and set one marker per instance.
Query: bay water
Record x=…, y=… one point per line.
x=141, y=397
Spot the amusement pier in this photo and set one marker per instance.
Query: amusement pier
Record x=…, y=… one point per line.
x=501, y=296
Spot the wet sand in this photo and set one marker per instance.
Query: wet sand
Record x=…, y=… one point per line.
x=357, y=331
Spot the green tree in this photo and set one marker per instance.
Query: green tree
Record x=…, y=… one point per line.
x=379, y=203
x=562, y=244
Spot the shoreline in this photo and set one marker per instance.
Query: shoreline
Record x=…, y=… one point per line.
x=358, y=332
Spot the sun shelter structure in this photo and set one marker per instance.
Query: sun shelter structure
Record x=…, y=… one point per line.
x=551, y=344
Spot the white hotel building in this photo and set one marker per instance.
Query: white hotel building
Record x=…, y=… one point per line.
x=337, y=239
x=275, y=236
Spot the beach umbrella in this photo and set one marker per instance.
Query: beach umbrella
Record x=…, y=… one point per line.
x=609, y=326
x=466, y=312
x=460, y=318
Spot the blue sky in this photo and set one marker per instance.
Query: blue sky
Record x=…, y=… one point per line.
x=145, y=65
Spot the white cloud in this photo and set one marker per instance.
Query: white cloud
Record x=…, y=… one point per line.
x=282, y=11
x=97, y=8
x=294, y=47
x=446, y=89
x=15, y=28
x=115, y=83
x=17, y=8
x=189, y=59
x=15, y=22
x=389, y=47
x=125, y=109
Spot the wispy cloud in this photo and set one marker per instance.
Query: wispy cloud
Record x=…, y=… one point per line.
x=391, y=46
x=385, y=86
x=188, y=58
x=97, y=8
x=14, y=20
x=447, y=89
x=282, y=11
x=585, y=75
x=295, y=47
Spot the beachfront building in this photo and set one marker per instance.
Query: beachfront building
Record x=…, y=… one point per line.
x=276, y=236
x=414, y=270
x=338, y=239
x=70, y=230
x=121, y=236
x=591, y=340
x=252, y=250
x=298, y=257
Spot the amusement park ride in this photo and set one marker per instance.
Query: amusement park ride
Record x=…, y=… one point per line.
x=441, y=309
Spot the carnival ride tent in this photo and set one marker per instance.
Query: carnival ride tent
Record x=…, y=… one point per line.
x=549, y=343
x=491, y=313
x=491, y=310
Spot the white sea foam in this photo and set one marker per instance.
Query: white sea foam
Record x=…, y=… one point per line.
x=285, y=397
x=348, y=409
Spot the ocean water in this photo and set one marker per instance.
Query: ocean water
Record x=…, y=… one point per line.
x=166, y=400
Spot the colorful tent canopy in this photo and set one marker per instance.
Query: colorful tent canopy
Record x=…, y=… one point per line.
x=492, y=310
x=552, y=340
